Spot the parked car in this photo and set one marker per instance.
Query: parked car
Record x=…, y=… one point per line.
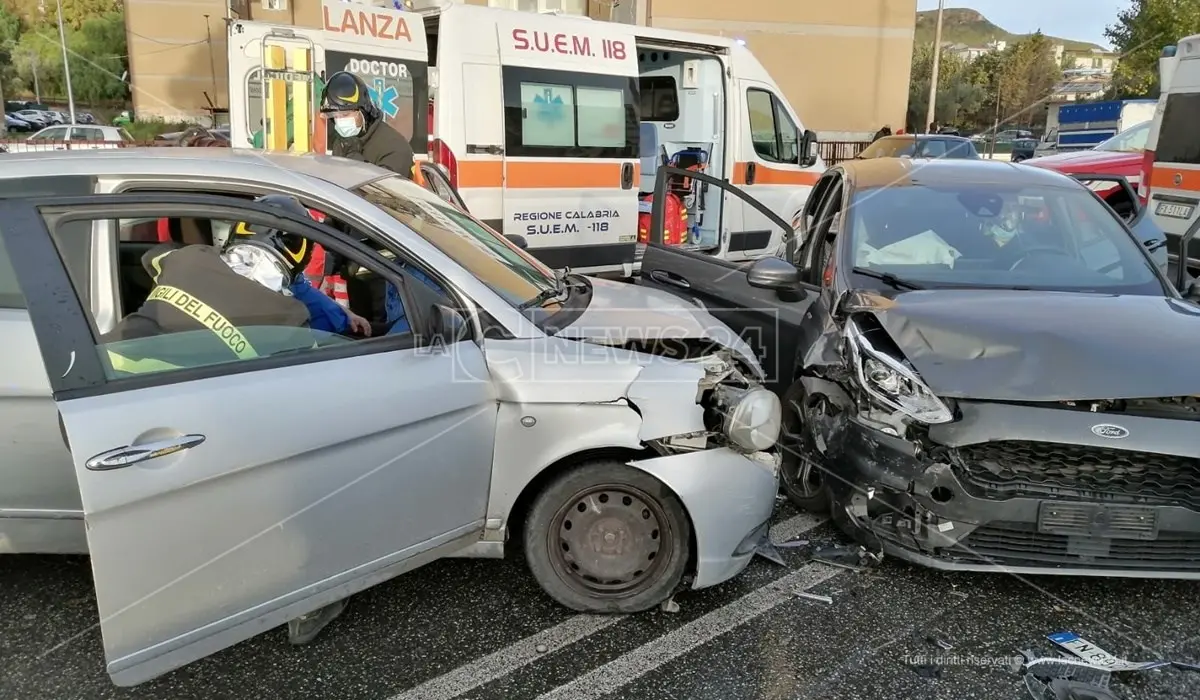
x=16, y=124
x=33, y=116
x=1023, y=149
x=75, y=137
x=920, y=146
x=1120, y=155
x=980, y=369
x=621, y=433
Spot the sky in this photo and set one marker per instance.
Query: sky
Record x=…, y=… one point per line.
x=1082, y=20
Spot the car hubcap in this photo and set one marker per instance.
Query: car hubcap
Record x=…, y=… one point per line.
x=609, y=540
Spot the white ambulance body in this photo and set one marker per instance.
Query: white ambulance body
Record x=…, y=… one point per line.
x=552, y=128
x=1170, y=180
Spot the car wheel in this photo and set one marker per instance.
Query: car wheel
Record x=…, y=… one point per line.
x=802, y=470
x=607, y=538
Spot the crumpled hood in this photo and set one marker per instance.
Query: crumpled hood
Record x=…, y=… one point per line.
x=1042, y=346
x=620, y=312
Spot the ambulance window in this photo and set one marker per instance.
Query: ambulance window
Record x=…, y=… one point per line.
x=254, y=100
x=771, y=129
x=1177, y=142
x=562, y=114
x=660, y=99
x=547, y=115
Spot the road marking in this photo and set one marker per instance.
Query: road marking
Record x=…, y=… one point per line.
x=517, y=655
x=498, y=664
x=631, y=666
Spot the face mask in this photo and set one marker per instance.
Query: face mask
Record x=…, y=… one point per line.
x=258, y=265
x=346, y=127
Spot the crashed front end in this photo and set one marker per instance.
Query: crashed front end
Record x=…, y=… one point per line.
x=1104, y=488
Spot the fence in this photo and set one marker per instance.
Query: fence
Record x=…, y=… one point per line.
x=834, y=152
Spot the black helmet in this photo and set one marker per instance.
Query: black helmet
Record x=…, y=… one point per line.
x=345, y=92
x=292, y=251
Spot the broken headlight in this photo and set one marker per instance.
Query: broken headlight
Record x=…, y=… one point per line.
x=753, y=417
x=892, y=383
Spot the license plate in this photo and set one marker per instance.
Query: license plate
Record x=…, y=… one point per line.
x=1096, y=656
x=1175, y=211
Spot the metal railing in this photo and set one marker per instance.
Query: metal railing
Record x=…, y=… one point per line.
x=834, y=152
x=19, y=145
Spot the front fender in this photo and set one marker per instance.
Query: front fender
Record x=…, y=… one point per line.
x=728, y=496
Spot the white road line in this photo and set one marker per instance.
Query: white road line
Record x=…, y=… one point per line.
x=501, y=663
x=498, y=664
x=631, y=666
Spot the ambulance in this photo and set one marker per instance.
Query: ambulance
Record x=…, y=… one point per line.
x=1170, y=180
x=551, y=128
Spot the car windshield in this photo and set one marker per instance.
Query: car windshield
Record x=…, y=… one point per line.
x=507, y=270
x=1132, y=140
x=977, y=235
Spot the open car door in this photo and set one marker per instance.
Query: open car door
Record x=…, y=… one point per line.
x=767, y=317
x=224, y=497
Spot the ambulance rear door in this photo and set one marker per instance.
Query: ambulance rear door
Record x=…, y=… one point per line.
x=1175, y=179
x=571, y=139
x=388, y=50
x=295, y=58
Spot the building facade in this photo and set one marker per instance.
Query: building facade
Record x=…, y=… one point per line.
x=843, y=66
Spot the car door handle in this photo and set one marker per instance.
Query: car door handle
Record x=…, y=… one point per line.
x=751, y=173
x=626, y=176
x=132, y=454
x=669, y=278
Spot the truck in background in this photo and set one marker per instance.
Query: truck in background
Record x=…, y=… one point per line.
x=550, y=127
x=1079, y=127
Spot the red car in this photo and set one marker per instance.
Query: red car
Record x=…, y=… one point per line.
x=1119, y=155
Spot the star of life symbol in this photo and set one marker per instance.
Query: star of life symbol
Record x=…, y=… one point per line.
x=385, y=97
x=548, y=106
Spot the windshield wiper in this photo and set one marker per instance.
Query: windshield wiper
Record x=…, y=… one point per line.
x=887, y=278
x=559, y=289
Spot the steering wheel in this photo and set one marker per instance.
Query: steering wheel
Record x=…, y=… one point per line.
x=1038, y=250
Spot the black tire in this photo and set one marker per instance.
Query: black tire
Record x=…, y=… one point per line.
x=802, y=472
x=619, y=503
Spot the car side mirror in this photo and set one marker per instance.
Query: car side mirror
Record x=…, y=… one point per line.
x=447, y=326
x=808, y=149
x=1183, y=280
x=773, y=273
x=517, y=240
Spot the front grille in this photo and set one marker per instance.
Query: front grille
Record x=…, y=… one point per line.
x=1020, y=544
x=1011, y=468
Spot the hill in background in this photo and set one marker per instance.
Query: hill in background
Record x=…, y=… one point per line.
x=963, y=26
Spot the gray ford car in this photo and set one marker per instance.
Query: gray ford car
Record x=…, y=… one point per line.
x=982, y=368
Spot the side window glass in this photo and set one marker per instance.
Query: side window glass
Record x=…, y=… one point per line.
x=547, y=115
x=188, y=306
x=789, y=139
x=763, y=133
x=566, y=114
x=10, y=290
x=601, y=120
x=823, y=241
x=50, y=135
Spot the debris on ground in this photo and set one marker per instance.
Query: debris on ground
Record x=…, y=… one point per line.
x=766, y=550
x=927, y=670
x=1094, y=655
x=938, y=639
x=814, y=596
x=1050, y=678
x=792, y=543
x=541, y=648
x=854, y=558
x=670, y=606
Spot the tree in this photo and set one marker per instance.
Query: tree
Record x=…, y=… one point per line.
x=100, y=44
x=1028, y=75
x=1139, y=35
x=957, y=96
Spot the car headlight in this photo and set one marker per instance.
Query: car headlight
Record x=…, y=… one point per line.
x=891, y=383
x=753, y=419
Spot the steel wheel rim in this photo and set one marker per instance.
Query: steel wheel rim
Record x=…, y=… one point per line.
x=615, y=546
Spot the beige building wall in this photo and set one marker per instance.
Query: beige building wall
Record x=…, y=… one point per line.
x=844, y=66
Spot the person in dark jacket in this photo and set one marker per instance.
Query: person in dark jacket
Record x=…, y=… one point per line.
x=358, y=129
x=885, y=131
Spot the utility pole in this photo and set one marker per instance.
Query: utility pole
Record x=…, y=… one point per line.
x=37, y=87
x=62, y=38
x=937, y=59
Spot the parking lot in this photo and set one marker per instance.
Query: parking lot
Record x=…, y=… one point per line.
x=481, y=629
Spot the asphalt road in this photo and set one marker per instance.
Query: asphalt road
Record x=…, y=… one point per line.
x=478, y=629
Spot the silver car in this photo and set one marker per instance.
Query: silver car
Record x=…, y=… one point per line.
x=221, y=497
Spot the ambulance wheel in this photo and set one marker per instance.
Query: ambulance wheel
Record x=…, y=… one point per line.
x=607, y=538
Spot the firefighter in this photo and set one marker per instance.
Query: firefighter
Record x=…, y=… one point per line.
x=359, y=131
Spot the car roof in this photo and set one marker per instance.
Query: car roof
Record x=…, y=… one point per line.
x=874, y=173
x=940, y=137
x=217, y=163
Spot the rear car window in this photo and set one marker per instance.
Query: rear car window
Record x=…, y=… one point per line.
x=1177, y=142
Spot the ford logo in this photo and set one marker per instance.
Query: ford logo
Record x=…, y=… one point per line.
x=1108, y=430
